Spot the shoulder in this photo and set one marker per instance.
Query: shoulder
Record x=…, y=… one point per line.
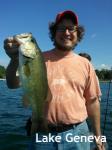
x=82, y=60
x=47, y=54
x=84, y=63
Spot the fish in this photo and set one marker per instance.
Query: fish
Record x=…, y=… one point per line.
x=33, y=75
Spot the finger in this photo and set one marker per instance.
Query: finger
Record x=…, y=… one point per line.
x=8, y=40
x=10, y=45
x=7, y=46
x=101, y=148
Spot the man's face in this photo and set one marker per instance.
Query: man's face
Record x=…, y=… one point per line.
x=66, y=35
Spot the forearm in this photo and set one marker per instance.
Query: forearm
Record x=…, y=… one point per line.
x=11, y=78
x=93, y=108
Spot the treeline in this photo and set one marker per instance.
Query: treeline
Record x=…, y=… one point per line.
x=2, y=72
x=104, y=74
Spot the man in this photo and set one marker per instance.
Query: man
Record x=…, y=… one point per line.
x=73, y=84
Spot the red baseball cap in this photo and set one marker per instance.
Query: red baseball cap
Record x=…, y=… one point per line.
x=68, y=13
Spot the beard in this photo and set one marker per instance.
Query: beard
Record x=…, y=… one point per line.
x=64, y=47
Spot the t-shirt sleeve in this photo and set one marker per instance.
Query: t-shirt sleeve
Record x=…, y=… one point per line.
x=92, y=89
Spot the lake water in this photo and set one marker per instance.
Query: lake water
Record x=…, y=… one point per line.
x=13, y=117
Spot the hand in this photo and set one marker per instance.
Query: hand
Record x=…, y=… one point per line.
x=101, y=146
x=11, y=47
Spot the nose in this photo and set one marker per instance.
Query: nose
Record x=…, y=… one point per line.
x=67, y=32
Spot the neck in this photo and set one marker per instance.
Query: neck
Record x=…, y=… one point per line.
x=63, y=53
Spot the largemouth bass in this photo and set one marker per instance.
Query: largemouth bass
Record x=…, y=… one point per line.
x=33, y=75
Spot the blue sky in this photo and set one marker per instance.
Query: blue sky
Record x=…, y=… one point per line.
x=18, y=16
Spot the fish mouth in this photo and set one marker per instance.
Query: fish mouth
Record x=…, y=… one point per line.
x=21, y=38
x=27, y=58
x=23, y=35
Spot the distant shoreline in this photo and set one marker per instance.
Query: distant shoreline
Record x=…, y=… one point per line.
x=103, y=81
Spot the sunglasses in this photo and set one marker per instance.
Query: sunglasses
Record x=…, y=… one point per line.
x=71, y=29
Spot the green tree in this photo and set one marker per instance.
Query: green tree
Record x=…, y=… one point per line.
x=104, y=74
x=2, y=72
